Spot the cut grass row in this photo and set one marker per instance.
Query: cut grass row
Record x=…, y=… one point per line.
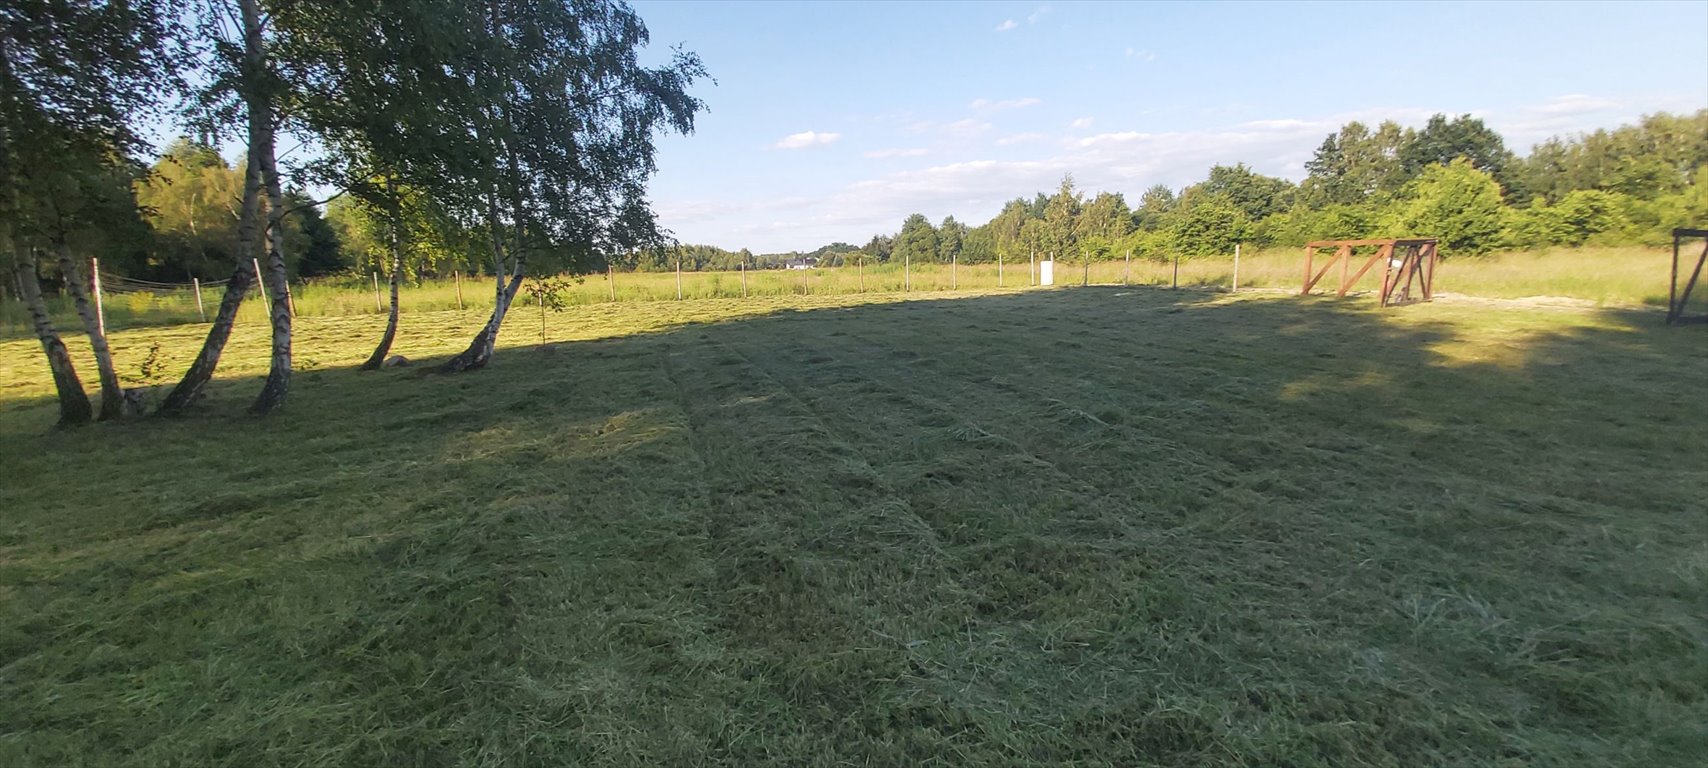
x=1069, y=527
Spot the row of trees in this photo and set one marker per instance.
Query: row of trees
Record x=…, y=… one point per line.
x=1453, y=179
x=521, y=129
x=185, y=222
x=1628, y=184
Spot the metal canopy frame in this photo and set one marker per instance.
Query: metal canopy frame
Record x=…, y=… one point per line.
x=1676, y=299
x=1416, y=265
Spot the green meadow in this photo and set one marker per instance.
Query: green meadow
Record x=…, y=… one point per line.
x=1082, y=526
x=1622, y=276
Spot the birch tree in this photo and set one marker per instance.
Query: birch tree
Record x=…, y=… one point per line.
x=373, y=82
x=564, y=117
x=244, y=88
x=75, y=77
x=80, y=202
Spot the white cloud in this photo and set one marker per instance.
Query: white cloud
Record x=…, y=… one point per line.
x=1020, y=138
x=965, y=129
x=992, y=105
x=960, y=129
x=1043, y=10
x=1575, y=104
x=1007, y=24
x=879, y=154
x=1110, y=138
x=806, y=139
x=1530, y=124
x=1281, y=124
x=1084, y=122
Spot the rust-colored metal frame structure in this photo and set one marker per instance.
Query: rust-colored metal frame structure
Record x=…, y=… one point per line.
x=1676, y=299
x=1417, y=260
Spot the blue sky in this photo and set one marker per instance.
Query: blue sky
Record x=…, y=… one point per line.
x=833, y=121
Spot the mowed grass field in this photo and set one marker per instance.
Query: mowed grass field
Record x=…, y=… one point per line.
x=1632, y=276
x=1085, y=526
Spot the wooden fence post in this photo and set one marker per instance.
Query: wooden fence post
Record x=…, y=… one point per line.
x=907, y=272
x=999, y=269
x=377, y=306
x=1672, y=290
x=267, y=301
x=1176, y=269
x=954, y=271
x=1236, y=269
x=744, y=279
x=457, y=275
x=678, y=277
x=1310, y=256
x=196, y=285
x=1127, y=276
x=611, y=279
x=100, y=312
x=1085, y=265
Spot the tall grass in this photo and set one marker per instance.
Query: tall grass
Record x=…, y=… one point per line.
x=1625, y=276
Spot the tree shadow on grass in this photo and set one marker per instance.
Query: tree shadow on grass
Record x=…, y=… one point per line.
x=1117, y=525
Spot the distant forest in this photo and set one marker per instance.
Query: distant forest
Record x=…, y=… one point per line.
x=1454, y=178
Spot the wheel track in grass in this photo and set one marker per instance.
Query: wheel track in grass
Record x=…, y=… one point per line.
x=1344, y=436
x=1364, y=436
x=930, y=413
x=1048, y=406
x=703, y=421
x=1235, y=412
x=610, y=536
x=962, y=660
x=1114, y=505
x=1110, y=498
x=967, y=653
x=816, y=583
x=1205, y=470
x=1044, y=410
x=1347, y=437
x=1053, y=409
x=1146, y=554
x=1399, y=582
x=1324, y=601
x=1096, y=517
x=866, y=469
x=1116, y=492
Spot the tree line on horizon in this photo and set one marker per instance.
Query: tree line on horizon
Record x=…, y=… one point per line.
x=1454, y=179
x=1631, y=184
